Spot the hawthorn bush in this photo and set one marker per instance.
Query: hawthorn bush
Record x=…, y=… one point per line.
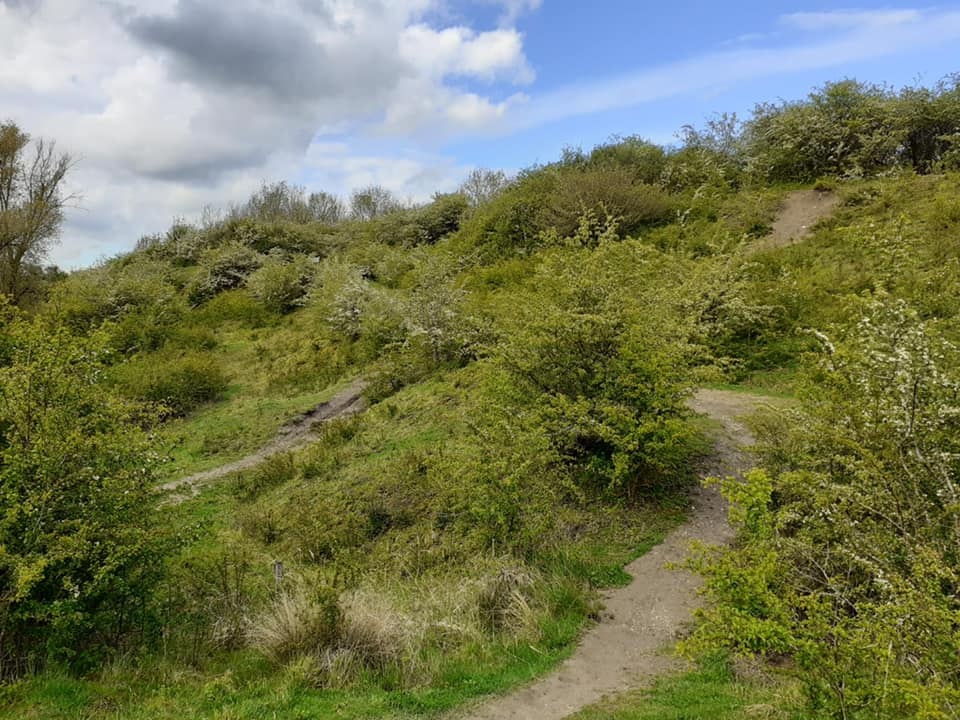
x=849, y=540
x=80, y=548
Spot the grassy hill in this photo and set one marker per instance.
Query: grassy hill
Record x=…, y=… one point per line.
x=528, y=355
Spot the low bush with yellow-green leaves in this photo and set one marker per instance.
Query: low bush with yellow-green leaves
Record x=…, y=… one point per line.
x=849, y=537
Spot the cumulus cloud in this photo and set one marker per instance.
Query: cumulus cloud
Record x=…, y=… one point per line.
x=461, y=51
x=185, y=102
x=247, y=47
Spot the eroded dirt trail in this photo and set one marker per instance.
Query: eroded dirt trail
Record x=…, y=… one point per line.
x=631, y=644
x=801, y=210
x=348, y=401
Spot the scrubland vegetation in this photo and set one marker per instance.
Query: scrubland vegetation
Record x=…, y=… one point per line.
x=529, y=345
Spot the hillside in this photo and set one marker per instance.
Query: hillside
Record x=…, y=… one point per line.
x=202, y=517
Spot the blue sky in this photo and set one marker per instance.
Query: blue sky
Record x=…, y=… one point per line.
x=629, y=36
x=173, y=105
x=618, y=36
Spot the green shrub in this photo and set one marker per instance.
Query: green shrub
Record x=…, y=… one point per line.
x=605, y=191
x=80, y=546
x=178, y=383
x=281, y=284
x=223, y=268
x=699, y=169
x=848, y=542
x=441, y=217
x=138, y=294
x=583, y=353
x=509, y=223
x=845, y=128
x=234, y=306
x=191, y=338
x=644, y=160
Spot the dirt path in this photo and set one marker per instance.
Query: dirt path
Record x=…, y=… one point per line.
x=346, y=402
x=801, y=210
x=630, y=646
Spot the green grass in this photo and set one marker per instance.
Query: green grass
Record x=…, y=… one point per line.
x=709, y=692
x=242, y=685
x=251, y=689
x=220, y=433
x=256, y=404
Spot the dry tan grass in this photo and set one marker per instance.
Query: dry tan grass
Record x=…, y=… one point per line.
x=377, y=632
x=390, y=627
x=294, y=624
x=504, y=601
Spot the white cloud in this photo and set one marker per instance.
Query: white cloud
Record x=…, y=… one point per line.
x=461, y=51
x=847, y=19
x=514, y=9
x=413, y=176
x=173, y=104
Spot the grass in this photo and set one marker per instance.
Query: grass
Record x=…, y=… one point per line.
x=708, y=692
x=235, y=685
x=255, y=405
x=243, y=685
x=774, y=383
x=223, y=432
x=252, y=689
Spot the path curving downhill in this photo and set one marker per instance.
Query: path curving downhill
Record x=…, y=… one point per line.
x=631, y=644
x=348, y=401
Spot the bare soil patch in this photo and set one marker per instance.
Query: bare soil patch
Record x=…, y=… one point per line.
x=800, y=212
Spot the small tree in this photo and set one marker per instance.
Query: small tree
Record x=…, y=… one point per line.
x=482, y=185
x=31, y=205
x=434, y=314
x=326, y=208
x=372, y=202
x=282, y=201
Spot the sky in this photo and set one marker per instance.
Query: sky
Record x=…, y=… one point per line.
x=171, y=106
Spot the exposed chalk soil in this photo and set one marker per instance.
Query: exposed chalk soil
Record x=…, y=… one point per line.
x=800, y=212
